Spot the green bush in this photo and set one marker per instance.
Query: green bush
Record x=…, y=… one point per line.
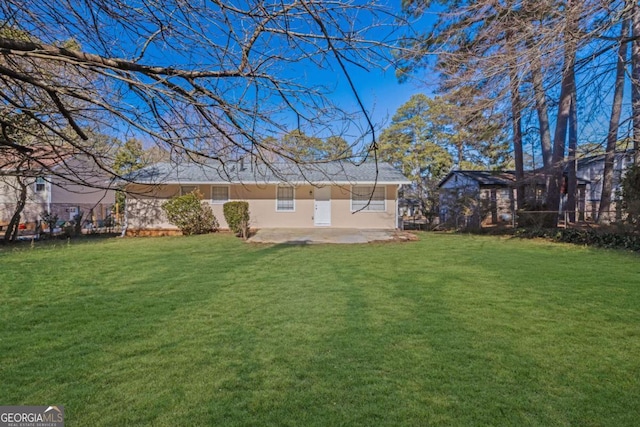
x=536, y=217
x=631, y=195
x=190, y=214
x=51, y=220
x=237, y=216
x=603, y=239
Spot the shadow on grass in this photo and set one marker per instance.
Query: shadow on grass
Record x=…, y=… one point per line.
x=59, y=241
x=268, y=248
x=290, y=243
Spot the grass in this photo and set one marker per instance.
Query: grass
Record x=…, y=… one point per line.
x=449, y=330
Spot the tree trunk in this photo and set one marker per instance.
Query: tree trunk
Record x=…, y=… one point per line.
x=572, y=180
x=12, y=229
x=604, y=211
x=562, y=118
x=635, y=80
x=557, y=163
x=516, y=113
x=541, y=109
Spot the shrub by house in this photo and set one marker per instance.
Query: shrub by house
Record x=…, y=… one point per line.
x=237, y=216
x=190, y=214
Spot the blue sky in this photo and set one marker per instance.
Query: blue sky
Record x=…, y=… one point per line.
x=378, y=87
x=380, y=92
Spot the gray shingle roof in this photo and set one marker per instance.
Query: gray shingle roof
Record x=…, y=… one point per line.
x=586, y=161
x=502, y=178
x=498, y=178
x=338, y=172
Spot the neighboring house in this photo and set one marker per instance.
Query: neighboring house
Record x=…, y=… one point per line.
x=409, y=207
x=475, y=198
x=591, y=169
x=61, y=185
x=332, y=194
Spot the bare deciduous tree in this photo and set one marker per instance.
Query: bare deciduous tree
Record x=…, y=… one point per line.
x=635, y=78
x=604, y=211
x=198, y=78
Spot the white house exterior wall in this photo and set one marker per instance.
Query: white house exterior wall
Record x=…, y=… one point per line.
x=593, y=173
x=36, y=201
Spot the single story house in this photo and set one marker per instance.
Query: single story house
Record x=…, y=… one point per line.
x=333, y=194
x=474, y=198
x=409, y=207
x=63, y=185
x=480, y=198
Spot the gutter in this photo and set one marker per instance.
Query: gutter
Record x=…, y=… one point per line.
x=314, y=183
x=126, y=216
x=49, y=188
x=396, y=208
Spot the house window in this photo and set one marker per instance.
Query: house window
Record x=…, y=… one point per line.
x=40, y=184
x=219, y=194
x=186, y=189
x=285, y=200
x=368, y=198
x=443, y=214
x=73, y=212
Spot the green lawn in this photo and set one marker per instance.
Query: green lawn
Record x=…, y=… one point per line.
x=449, y=330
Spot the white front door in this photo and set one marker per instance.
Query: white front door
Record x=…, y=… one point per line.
x=322, y=214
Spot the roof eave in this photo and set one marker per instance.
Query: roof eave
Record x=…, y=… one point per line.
x=365, y=182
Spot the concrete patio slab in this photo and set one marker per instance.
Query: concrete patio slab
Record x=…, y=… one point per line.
x=302, y=236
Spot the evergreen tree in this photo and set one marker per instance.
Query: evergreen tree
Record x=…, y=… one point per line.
x=410, y=143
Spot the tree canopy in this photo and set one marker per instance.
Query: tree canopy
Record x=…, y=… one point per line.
x=312, y=148
x=412, y=141
x=129, y=157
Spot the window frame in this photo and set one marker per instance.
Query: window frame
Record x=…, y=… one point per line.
x=182, y=187
x=367, y=207
x=220, y=202
x=40, y=184
x=293, y=198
